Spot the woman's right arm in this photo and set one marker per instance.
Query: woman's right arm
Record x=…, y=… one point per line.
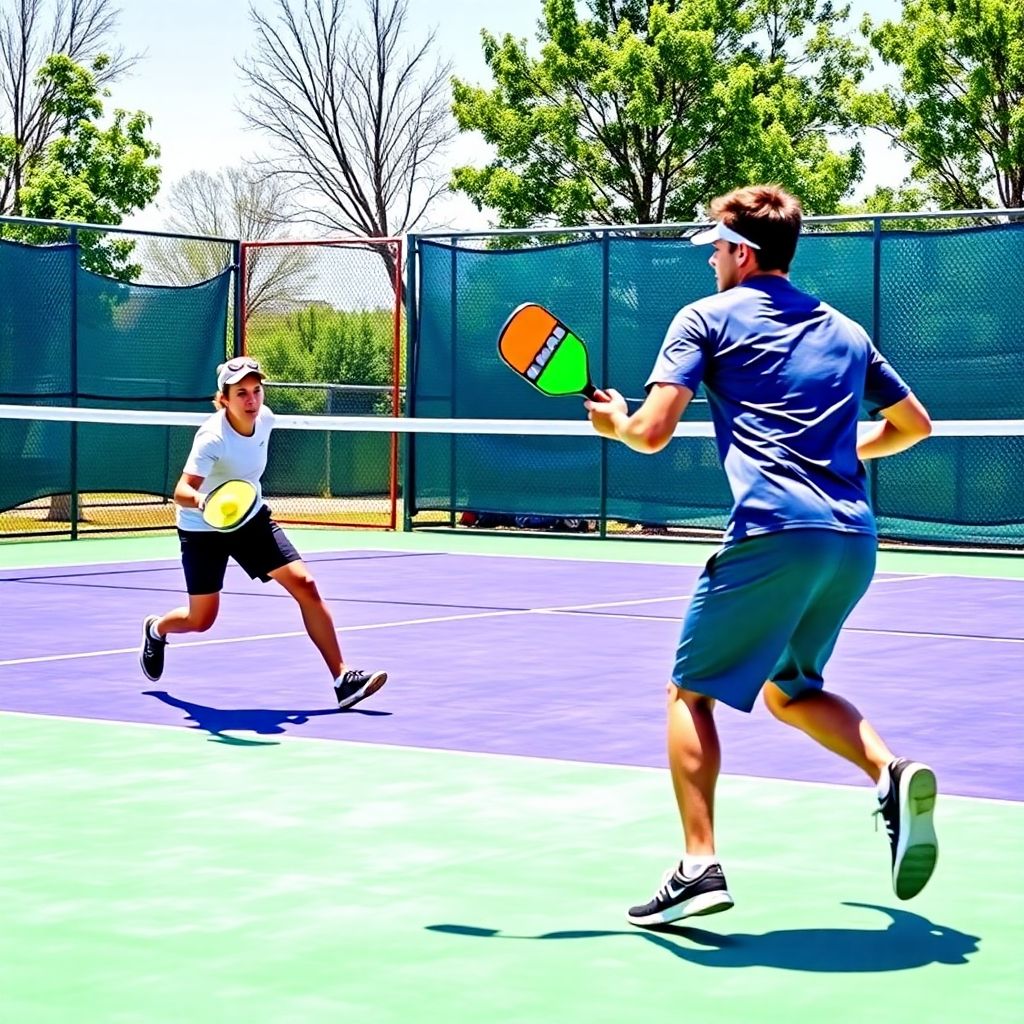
x=186, y=493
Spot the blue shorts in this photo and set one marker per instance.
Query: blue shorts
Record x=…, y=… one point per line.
x=771, y=607
x=259, y=547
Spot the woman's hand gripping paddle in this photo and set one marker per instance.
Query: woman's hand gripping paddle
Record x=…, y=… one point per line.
x=228, y=504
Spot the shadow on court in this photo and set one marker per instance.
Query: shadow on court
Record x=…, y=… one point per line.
x=910, y=941
x=262, y=721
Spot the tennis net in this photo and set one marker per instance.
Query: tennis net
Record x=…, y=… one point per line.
x=74, y=471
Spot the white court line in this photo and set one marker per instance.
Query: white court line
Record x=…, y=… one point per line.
x=287, y=737
x=907, y=579
x=572, y=609
x=932, y=636
x=579, y=609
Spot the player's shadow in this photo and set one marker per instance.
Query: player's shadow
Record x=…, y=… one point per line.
x=261, y=721
x=909, y=941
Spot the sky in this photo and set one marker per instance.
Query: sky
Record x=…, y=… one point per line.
x=189, y=83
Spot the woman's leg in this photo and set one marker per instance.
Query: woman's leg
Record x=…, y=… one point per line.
x=198, y=617
x=316, y=617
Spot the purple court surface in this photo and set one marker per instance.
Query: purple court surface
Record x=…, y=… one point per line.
x=528, y=656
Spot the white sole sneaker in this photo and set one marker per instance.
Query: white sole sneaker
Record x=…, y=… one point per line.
x=917, y=848
x=370, y=687
x=699, y=906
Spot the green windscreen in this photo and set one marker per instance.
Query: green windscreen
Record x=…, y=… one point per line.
x=68, y=336
x=952, y=328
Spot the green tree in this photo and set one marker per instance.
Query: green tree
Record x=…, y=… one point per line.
x=958, y=112
x=323, y=346
x=31, y=31
x=87, y=173
x=644, y=110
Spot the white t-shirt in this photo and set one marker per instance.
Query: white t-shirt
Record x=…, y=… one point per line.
x=219, y=453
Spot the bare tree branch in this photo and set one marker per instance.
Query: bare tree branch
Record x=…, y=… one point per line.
x=31, y=31
x=357, y=122
x=237, y=202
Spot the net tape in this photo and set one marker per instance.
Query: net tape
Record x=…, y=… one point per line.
x=428, y=425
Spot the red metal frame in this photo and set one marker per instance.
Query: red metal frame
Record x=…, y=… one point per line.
x=396, y=355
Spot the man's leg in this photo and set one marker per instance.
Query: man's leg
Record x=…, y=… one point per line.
x=835, y=723
x=694, y=757
x=906, y=791
x=696, y=886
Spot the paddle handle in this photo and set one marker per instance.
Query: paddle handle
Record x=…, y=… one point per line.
x=596, y=394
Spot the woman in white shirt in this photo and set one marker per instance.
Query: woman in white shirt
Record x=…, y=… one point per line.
x=232, y=445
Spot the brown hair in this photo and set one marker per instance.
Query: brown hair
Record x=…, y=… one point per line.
x=766, y=214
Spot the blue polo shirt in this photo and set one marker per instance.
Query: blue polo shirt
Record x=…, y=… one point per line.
x=785, y=376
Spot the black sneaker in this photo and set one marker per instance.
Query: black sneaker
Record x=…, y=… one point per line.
x=681, y=897
x=907, y=810
x=356, y=686
x=151, y=652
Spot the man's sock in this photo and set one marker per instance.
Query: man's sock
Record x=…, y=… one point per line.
x=694, y=864
x=882, y=788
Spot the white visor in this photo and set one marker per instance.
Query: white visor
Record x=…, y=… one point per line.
x=720, y=232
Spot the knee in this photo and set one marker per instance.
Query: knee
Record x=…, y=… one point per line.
x=304, y=590
x=690, y=698
x=203, y=621
x=776, y=700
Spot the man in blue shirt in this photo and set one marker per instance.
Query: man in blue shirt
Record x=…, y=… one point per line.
x=786, y=376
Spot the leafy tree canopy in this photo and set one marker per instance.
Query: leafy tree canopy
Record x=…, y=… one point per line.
x=87, y=173
x=644, y=110
x=958, y=111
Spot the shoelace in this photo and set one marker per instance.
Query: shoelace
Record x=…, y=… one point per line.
x=890, y=830
x=353, y=675
x=665, y=892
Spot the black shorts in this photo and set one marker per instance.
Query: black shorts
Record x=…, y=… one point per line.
x=259, y=547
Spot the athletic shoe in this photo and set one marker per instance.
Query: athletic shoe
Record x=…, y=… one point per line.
x=907, y=810
x=151, y=652
x=681, y=897
x=355, y=686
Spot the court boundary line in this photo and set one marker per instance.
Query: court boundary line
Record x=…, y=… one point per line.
x=365, y=627
x=489, y=754
x=891, y=573
x=480, y=614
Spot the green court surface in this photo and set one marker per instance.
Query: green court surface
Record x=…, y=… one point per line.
x=151, y=875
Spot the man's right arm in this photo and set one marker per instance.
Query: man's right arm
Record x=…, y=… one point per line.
x=902, y=426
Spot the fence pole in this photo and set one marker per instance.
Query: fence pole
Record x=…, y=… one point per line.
x=73, y=370
x=602, y=521
x=238, y=266
x=876, y=331
x=452, y=369
x=396, y=388
x=411, y=344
